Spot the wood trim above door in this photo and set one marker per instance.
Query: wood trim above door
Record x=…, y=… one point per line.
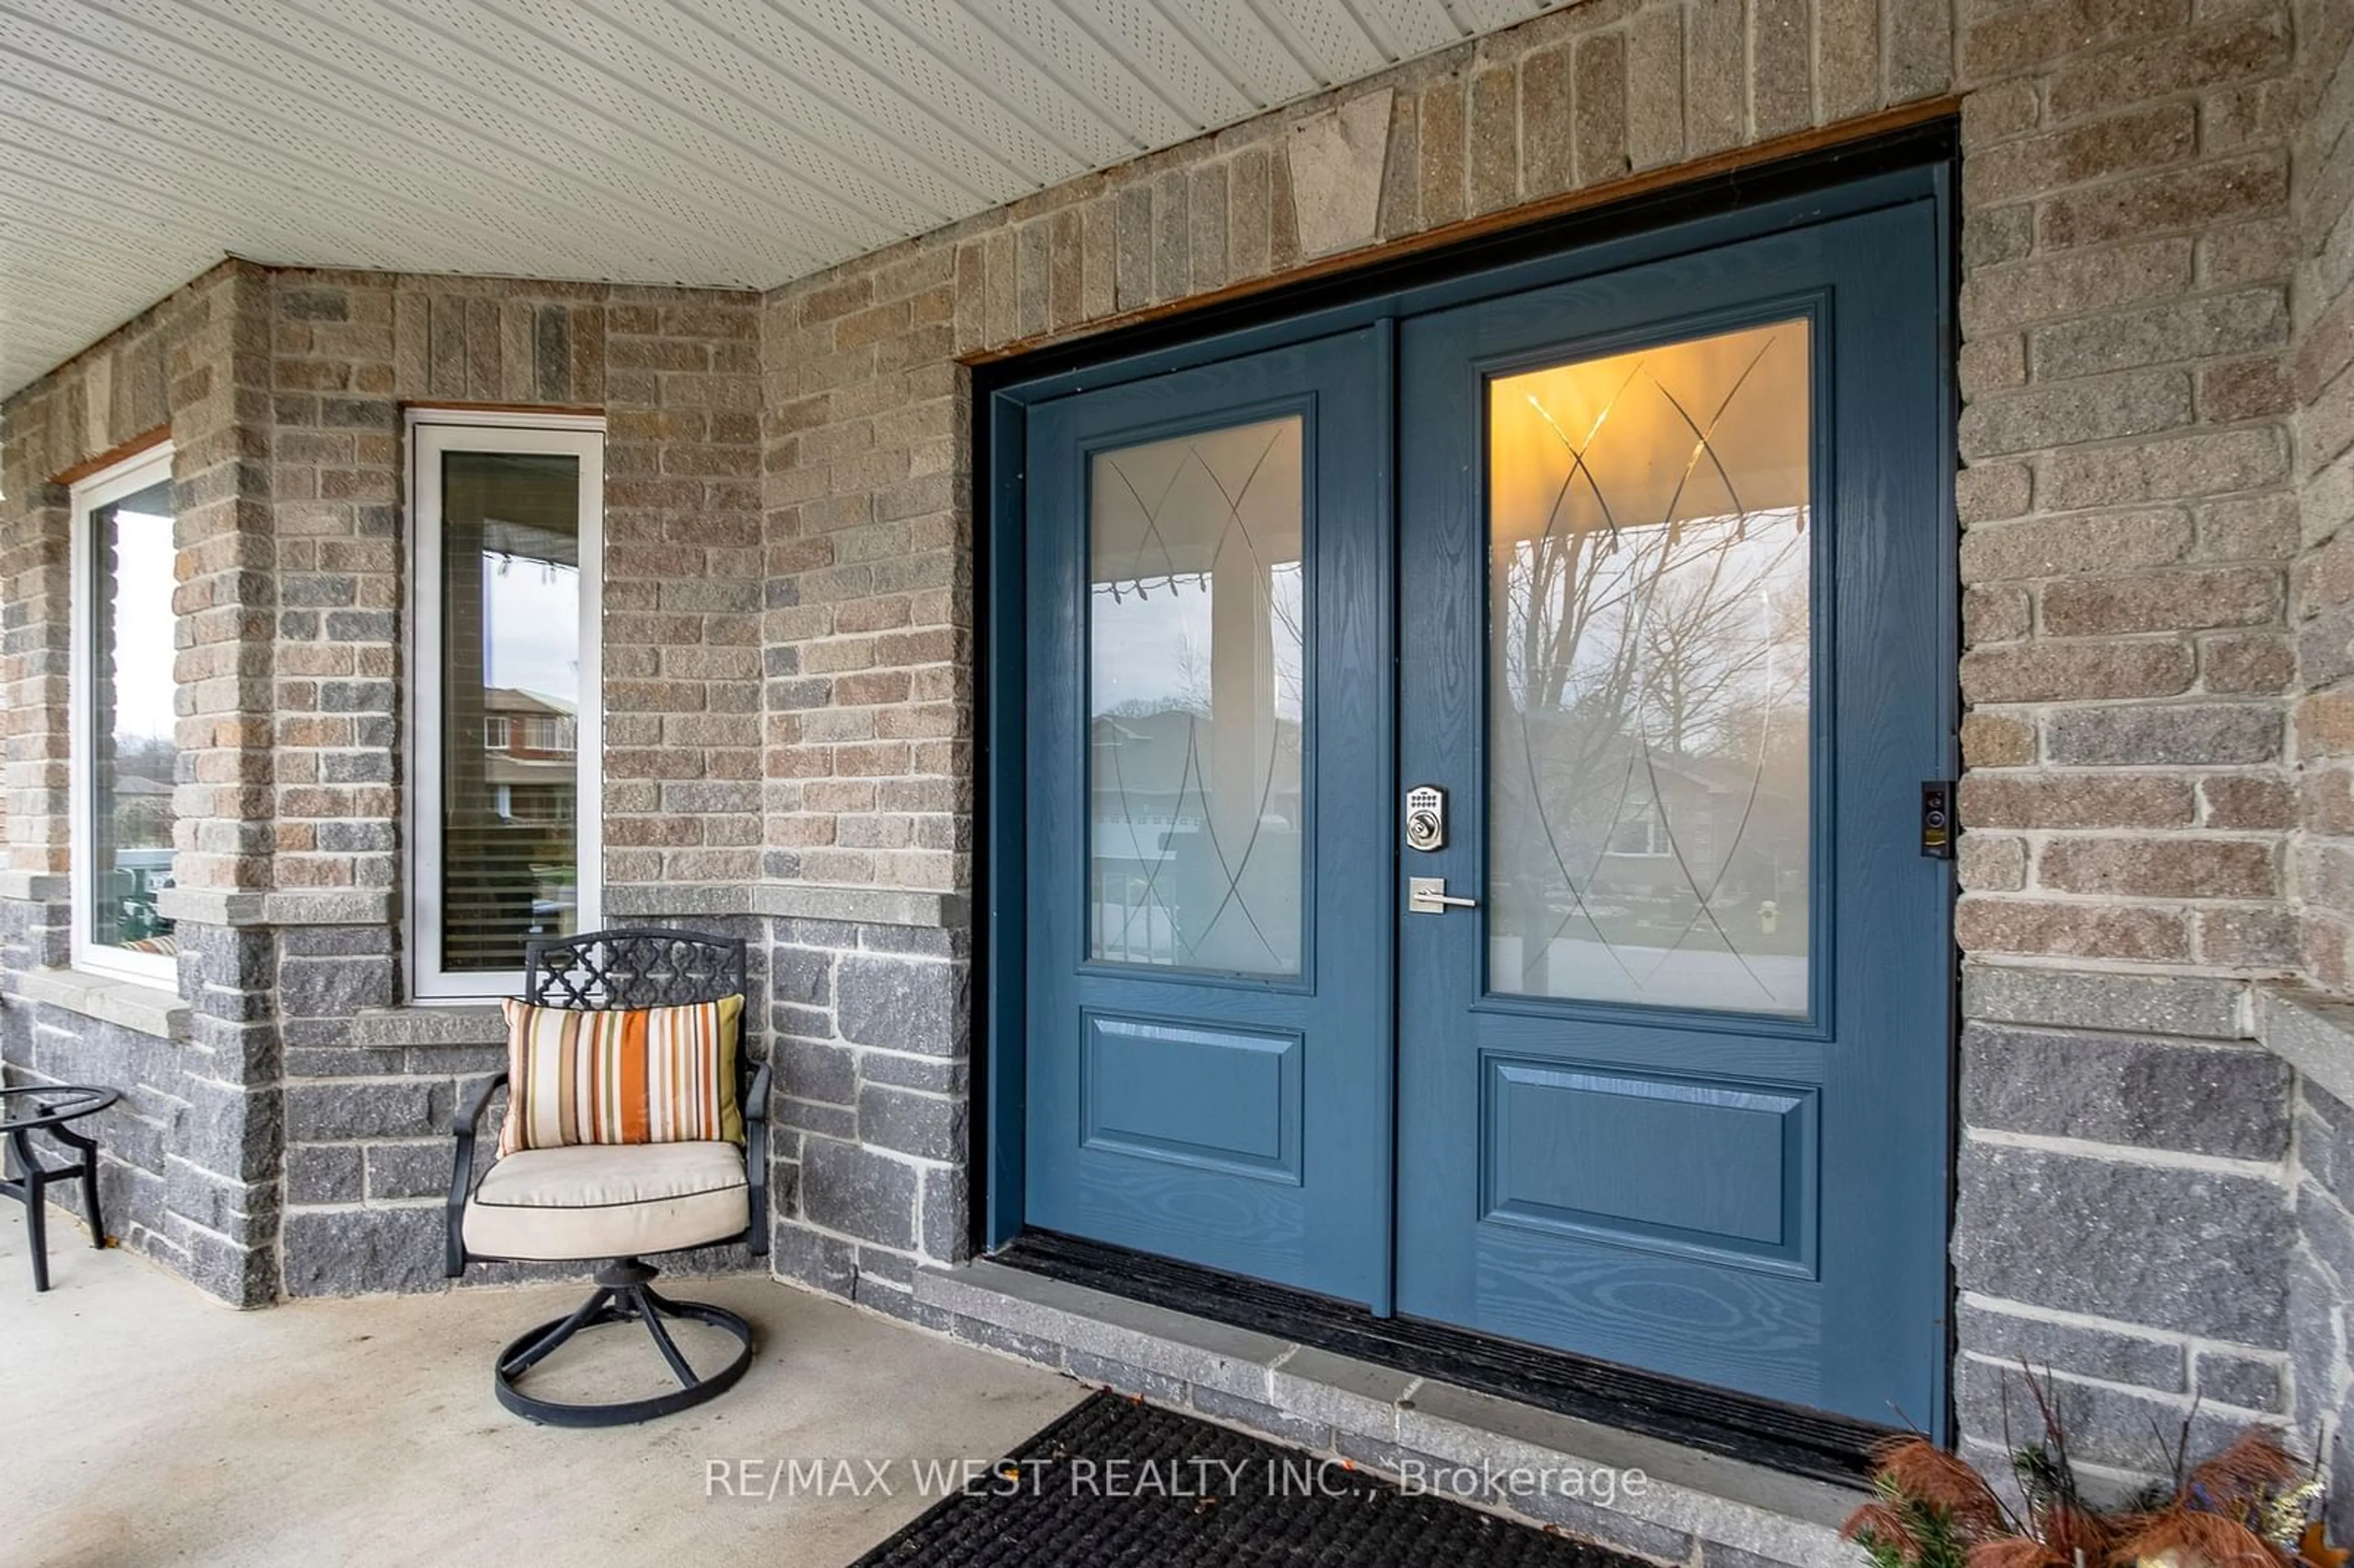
x=1849, y=133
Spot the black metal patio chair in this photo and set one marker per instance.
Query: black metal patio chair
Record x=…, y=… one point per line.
x=616, y=1203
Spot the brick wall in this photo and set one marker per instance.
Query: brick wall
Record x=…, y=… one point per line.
x=2155, y=260
x=2321, y=1278
x=190, y=1168
x=268, y=1143
x=2131, y=500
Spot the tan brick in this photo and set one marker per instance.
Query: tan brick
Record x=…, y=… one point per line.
x=2166, y=602
x=2076, y=801
x=2067, y=545
x=2158, y=867
x=1997, y=740
x=2044, y=671
x=2060, y=929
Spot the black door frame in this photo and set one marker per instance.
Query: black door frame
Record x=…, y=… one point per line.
x=1898, y=166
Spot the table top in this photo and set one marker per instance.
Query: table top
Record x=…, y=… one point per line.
x=28, y=1105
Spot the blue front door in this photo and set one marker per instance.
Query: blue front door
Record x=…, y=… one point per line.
x=1676, y=644
x=1208, y=1071
x=1515, y=919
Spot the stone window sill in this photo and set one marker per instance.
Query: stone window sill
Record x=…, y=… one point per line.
x=2314, y=1033
x=465, y=1023
x=145, y=1009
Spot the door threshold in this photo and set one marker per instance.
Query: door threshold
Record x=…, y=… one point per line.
x=1644, y=1497
x=1788, y=1438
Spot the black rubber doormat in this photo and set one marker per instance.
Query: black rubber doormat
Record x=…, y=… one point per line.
x=1119, y=1484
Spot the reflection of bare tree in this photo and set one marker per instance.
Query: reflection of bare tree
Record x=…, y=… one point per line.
x=1625, y=652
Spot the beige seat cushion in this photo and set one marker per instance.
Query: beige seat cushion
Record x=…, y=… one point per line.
x=603, y=1200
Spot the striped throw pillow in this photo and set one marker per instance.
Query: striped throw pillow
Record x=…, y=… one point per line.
x=652, y=1075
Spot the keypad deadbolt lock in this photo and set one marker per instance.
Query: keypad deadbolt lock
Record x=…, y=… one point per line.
x=1426, y=818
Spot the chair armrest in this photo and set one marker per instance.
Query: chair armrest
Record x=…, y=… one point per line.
x=461, y=1167
x=755, y=1158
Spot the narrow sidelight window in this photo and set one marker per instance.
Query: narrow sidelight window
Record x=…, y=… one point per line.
x=124, y=759
x=505, y=699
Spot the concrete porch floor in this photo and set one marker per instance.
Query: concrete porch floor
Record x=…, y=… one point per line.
x=144, y=1424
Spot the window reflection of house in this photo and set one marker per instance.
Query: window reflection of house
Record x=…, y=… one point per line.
x=1163, y=893
x=529, y=756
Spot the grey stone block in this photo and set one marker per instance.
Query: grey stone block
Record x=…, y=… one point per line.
x=1716, y=1554
x=873, y=1292
x=346, y=1251
x=2108, y=1426
x=337, y=941
x=411, y=1170
x=2142, y=1005
x=405, y=1027
x=1343, y=1393
x=316, y=1062
x=901, y=1004
x=2252, y=1382
x=946, y=1226
x=335, y=988
x=789, y=1022
x=2222, y=1100
x=810, y=1257
x=803, y=976
x=232, y=1131
x=2329, y=1233
x=1028, y=1347
x=2314, y=1033
x=824, y=1120
x=2340, y=1514
x=916, y=940
x=239, y=1275
x=812, y=1070
x=841, y=936
x=1191, y=1350
x=2324, y=1142
x=1300, y=1430
x=858, y=1192
x=2067, y=1347
x=2314, y=1336
x=323, y=1174
x=1607, y=1526
x=397, y=1108
x=891, y=1268
x=926, y=1126
x=1121, y=1376
x=2191, y=1250
x=238, y=1211
x=932, y=1074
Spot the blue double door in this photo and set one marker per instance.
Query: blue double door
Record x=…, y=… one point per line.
x=1472, y=789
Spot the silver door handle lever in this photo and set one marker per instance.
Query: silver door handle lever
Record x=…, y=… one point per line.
x=1428, y=896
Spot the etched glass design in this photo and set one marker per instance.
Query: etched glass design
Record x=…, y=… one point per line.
x=1196, y=636
x=1650, y=628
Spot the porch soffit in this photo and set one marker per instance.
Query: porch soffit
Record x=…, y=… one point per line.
x=712, y=143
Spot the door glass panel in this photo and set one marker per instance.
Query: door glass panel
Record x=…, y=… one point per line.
x=1195, y=639
x=1649, y=603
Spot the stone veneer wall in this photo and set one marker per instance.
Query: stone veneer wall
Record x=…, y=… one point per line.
x=2143, y=181
x=2131, y=505
x=2321, y=1278
x=285, y=1130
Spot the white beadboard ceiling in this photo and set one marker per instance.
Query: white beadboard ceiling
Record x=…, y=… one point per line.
x=740, y=142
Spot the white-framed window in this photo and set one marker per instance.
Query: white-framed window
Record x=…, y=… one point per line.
x=507, y=552
x=123, y=756
x=1639, y=832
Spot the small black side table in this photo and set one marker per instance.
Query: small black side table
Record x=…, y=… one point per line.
x=48, y=1108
